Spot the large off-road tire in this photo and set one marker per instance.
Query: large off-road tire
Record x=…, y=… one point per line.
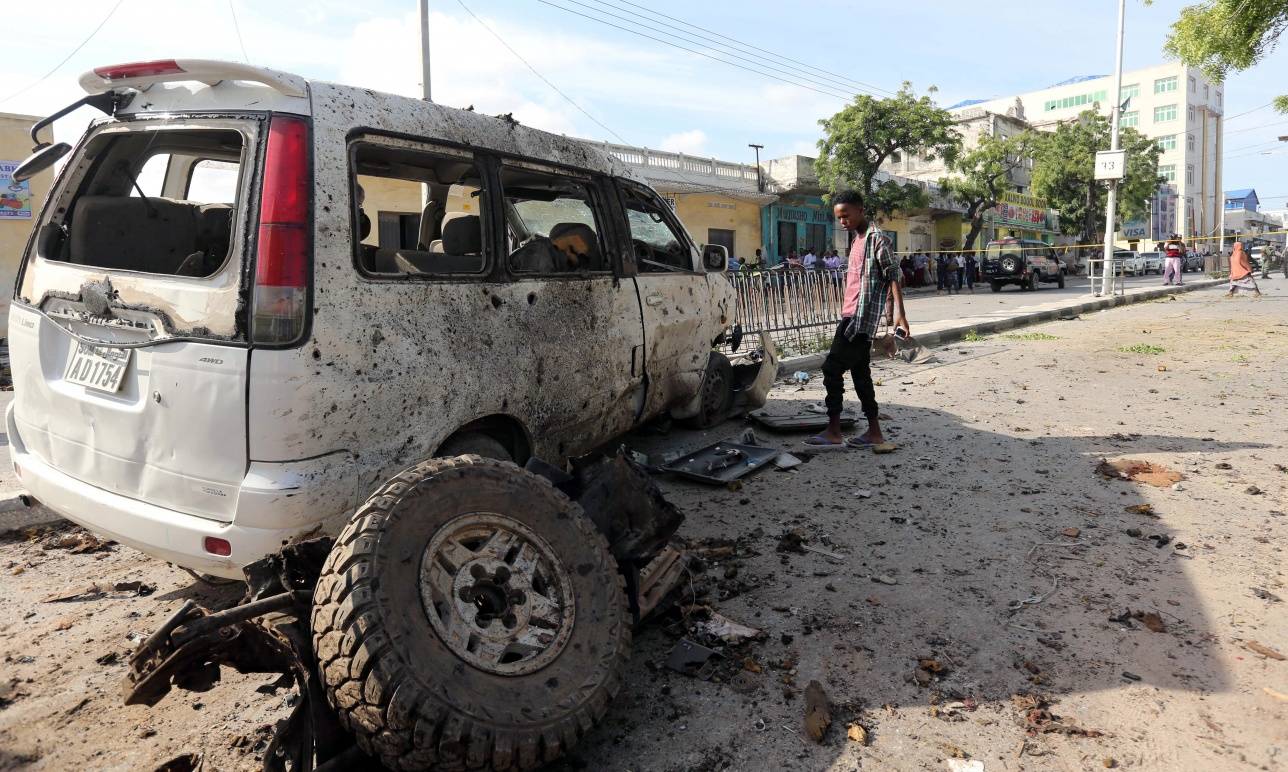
x=470, y=617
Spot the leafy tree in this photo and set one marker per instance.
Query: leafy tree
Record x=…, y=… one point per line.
x=984, y=173
x=1064, y=174
x=1220, y=36
x=868, y=131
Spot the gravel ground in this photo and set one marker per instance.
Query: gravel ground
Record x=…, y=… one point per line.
x=991, y=597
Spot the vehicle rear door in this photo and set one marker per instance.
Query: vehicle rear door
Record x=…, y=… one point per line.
x=674, y=298
x=127, y=351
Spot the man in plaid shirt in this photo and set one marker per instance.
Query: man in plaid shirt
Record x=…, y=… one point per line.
x=872, y=276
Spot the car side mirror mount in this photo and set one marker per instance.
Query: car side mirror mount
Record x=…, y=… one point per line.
x=44, y=157
x=715, y=257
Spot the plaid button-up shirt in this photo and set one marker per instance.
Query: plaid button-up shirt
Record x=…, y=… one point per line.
x=880, y=270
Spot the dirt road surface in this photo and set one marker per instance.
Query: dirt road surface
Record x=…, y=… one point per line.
x=991, y=598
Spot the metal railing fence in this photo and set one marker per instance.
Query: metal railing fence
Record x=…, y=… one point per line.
x=798, y=308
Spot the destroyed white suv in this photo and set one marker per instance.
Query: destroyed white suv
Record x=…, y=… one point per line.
x=250, y=299
x=252, y=302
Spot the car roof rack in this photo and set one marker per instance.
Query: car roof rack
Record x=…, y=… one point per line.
x=143, y=75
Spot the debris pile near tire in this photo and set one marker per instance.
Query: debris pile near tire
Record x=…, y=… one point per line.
x=470, y=615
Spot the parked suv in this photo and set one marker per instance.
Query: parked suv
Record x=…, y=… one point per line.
x=247, y=304
x=1025, y=262
x=1151, y=262
x=1193, y=261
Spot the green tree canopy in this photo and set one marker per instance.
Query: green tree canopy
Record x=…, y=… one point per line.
x=1064, y=174
x=868, y=131
x=1220, y=36
x=983, y=173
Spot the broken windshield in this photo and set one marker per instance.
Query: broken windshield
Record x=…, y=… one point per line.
x=153, y=202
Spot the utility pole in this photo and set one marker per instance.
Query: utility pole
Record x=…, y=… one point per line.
x=1111, y=206
x=1221, y=199
x=760, y=182
x=424, y=50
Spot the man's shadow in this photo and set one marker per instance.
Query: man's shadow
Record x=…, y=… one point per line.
x=1015, y=567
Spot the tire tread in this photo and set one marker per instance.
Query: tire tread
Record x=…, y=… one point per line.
x=366, y=684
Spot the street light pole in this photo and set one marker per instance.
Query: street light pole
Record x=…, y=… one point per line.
x=424, y=50
x=1111, y=205
x=1221, y=198
x=760, y=182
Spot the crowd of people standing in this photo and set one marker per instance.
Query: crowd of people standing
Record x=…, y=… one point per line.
x=949, y=271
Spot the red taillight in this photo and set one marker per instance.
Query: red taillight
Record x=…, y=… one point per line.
x=138, y=69
x=217, y=546
x=282, y=258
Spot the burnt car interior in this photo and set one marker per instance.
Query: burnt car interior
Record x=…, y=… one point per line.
x=551, y=226
x=445, y=235
x=153, y=201
x=657, y=245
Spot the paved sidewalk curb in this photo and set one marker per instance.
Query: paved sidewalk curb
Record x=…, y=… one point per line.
x=17, y=510
x=810, y=362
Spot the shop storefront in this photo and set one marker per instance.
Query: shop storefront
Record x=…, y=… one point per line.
x=797, y=223
x=729, y=218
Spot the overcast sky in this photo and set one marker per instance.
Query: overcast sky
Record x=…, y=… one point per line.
x=644, y=91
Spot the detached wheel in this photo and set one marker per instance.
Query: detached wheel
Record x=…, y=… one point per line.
x=1060, y=282
x=996, y=286
x=717, y=392
x=470, y=616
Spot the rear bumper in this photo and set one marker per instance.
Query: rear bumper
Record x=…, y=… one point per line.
x=162, y=533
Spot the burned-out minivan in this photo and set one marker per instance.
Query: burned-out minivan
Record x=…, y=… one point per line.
x=252, y=300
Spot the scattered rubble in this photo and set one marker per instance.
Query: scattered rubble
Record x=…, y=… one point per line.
x=725, y=629
x=818, y=711
x=1038, y=718
x=856, y=733
x=1264, y=651
x=1138, y=471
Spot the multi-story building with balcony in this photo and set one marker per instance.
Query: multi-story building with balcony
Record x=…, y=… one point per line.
x=1173, y=104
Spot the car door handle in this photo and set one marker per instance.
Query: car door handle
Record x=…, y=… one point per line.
x=653, y=300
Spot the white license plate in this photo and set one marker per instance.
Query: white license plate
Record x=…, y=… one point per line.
x=97, y=367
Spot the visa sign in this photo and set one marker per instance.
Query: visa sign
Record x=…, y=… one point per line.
x=1135, y=229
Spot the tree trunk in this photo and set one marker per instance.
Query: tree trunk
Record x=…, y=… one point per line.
x=1088, y=222
x=976, y=225
x=974, y=213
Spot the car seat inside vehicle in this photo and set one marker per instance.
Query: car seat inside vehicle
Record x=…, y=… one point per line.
x=551, y=223
x=161, y=202
x=425, y=209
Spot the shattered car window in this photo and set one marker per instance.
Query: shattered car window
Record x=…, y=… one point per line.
x=134, y=210
x=551, y=225
x=658, y=247
x=417, y=212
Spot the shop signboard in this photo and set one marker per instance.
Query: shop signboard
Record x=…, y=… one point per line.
x=1135, y=229
x=15, y=197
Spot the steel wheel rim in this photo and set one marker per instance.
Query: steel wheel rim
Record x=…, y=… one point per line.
x=496, y=594
x=715, y=388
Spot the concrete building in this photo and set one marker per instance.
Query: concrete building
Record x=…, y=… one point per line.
x=1173, y=104
x=19, y=202
x=1019, y=213
x=719, y=202
x=1245, y=220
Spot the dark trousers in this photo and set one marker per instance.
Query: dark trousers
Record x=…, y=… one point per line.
x=854, y=356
